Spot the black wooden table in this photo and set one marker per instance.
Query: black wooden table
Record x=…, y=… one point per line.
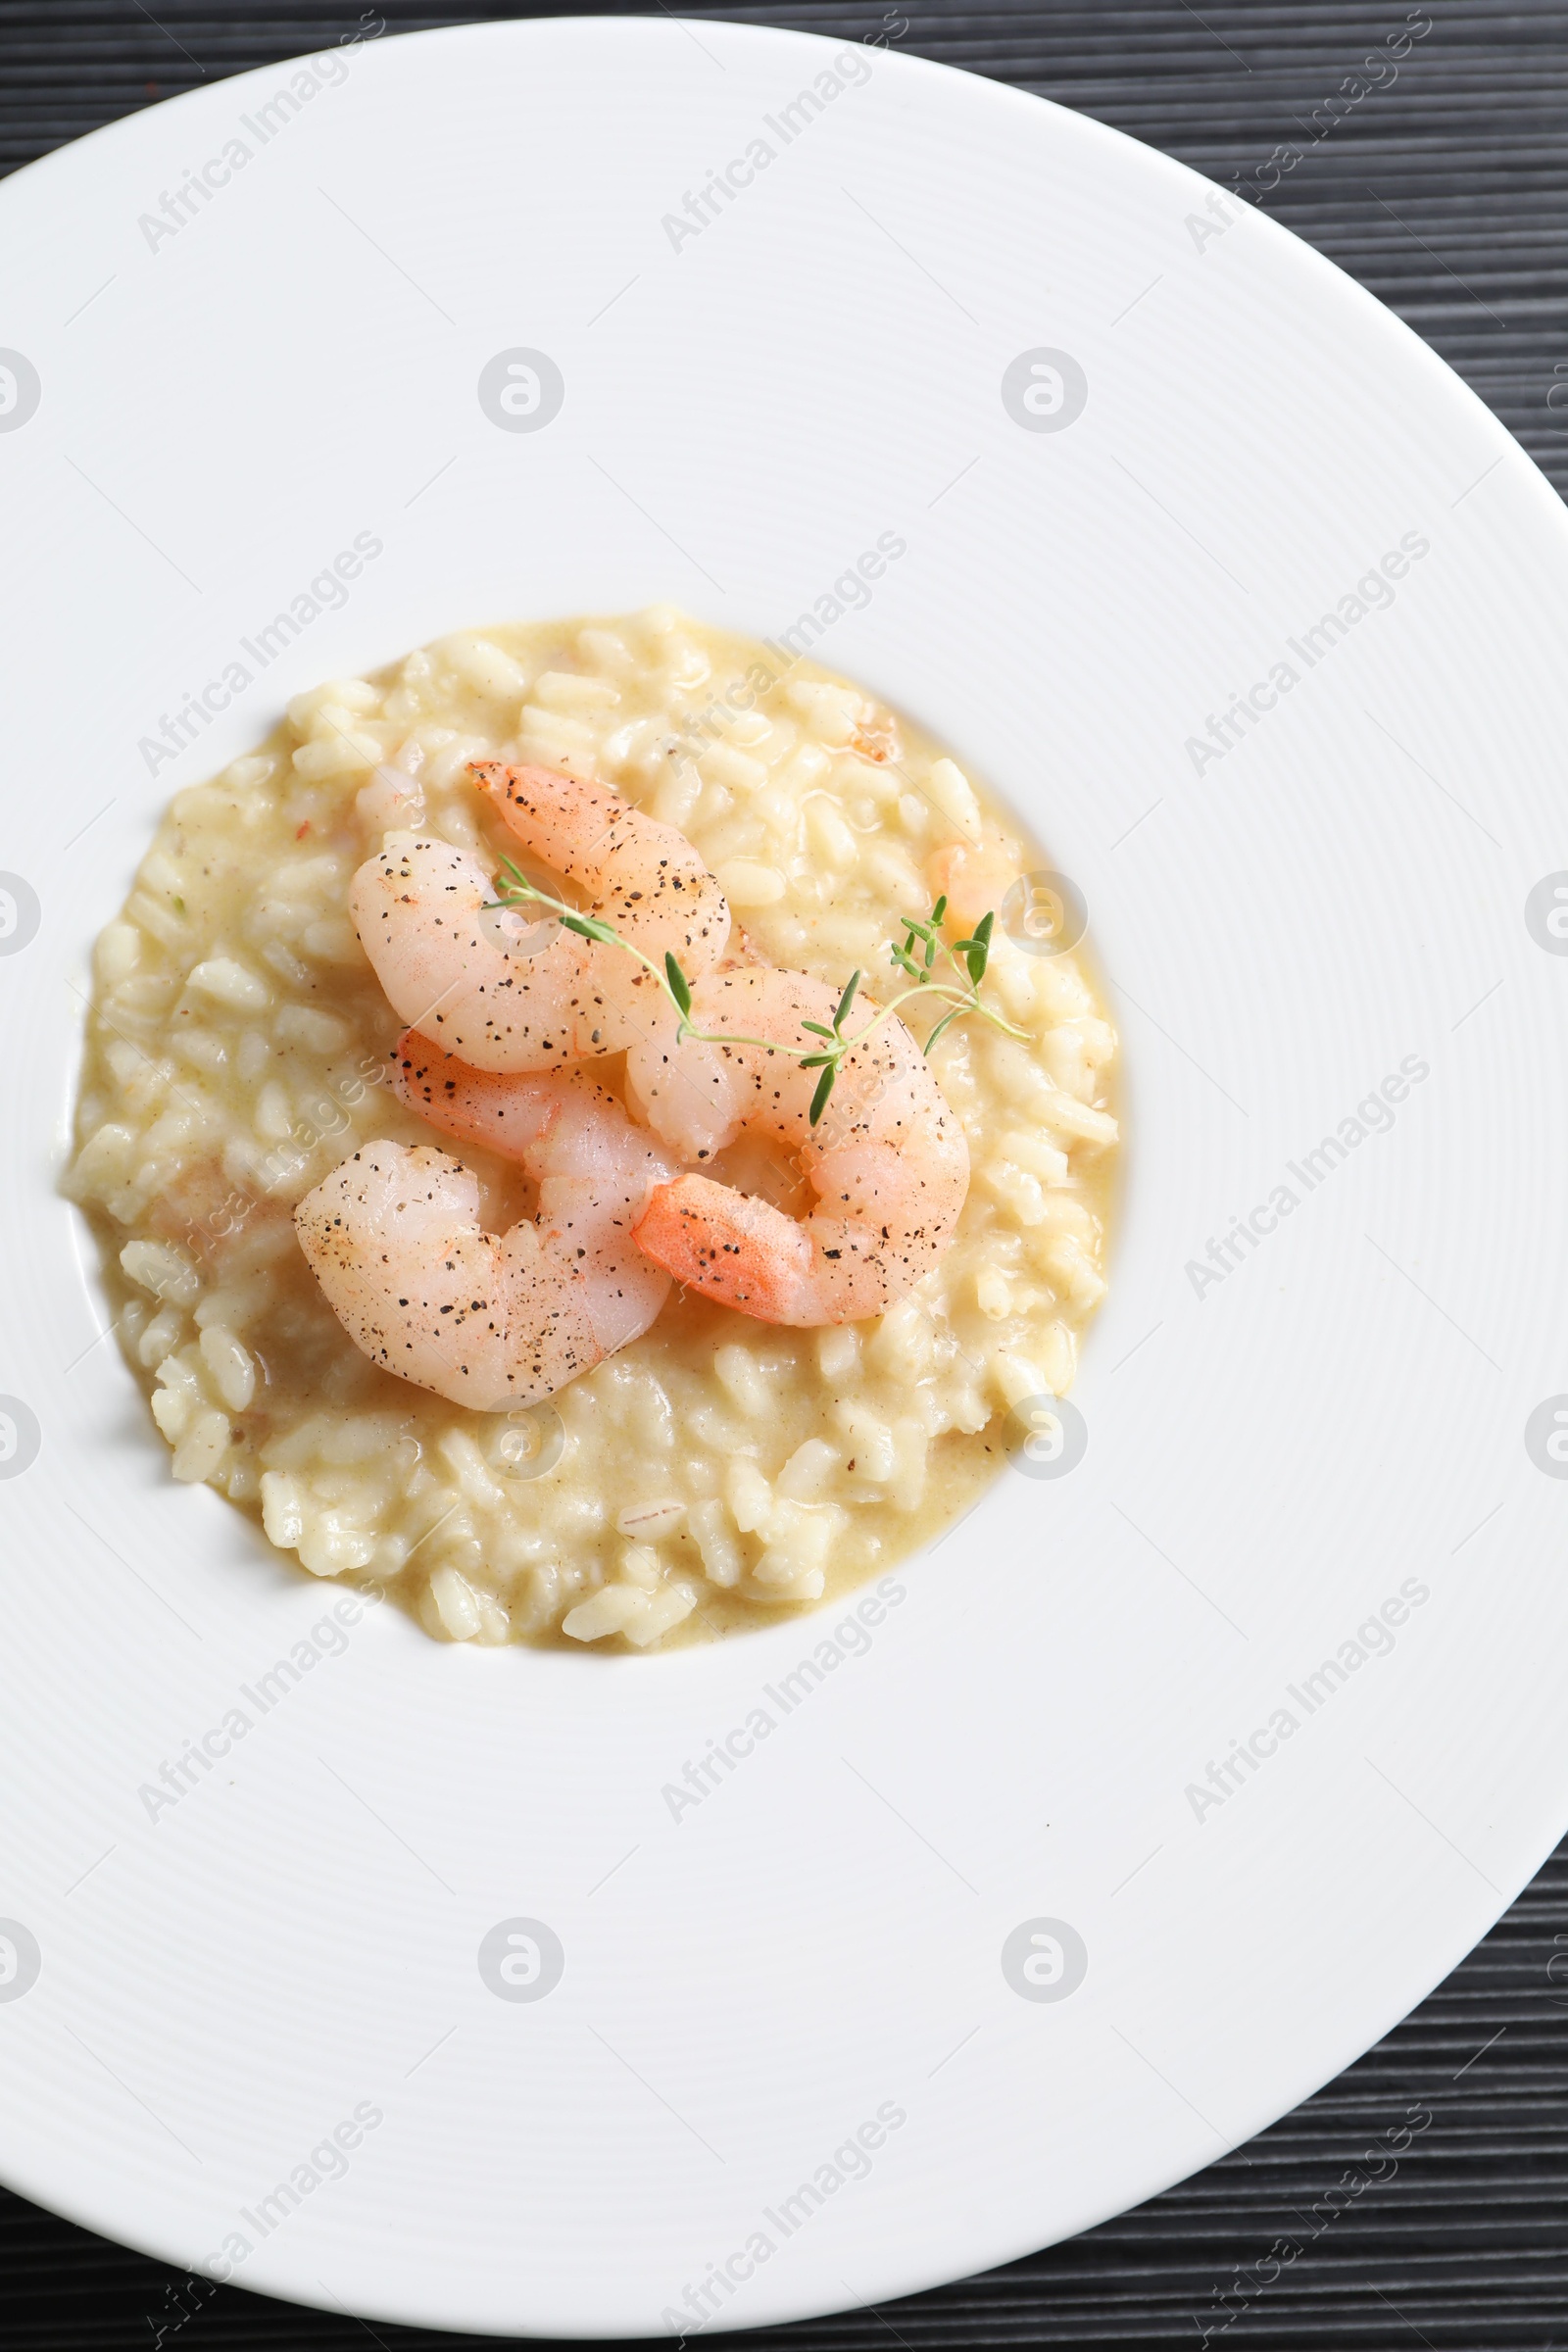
x=1419, y=2199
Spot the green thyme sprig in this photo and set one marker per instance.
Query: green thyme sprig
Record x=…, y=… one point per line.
x=838, y=1045
x=968, y=959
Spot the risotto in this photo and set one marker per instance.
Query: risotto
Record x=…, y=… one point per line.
x=717, y=1470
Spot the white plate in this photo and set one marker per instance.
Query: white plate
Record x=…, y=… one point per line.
x=1271, y=1457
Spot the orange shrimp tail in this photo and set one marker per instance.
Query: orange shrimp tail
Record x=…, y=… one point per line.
x=741, y=1251
x=555, y=815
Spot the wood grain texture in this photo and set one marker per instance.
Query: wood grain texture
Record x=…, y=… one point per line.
x=1445, y=194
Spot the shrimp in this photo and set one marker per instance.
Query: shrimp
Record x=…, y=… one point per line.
x=973, y=876
x=507, y=994
x=889, y=1162
x=490, y=1320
